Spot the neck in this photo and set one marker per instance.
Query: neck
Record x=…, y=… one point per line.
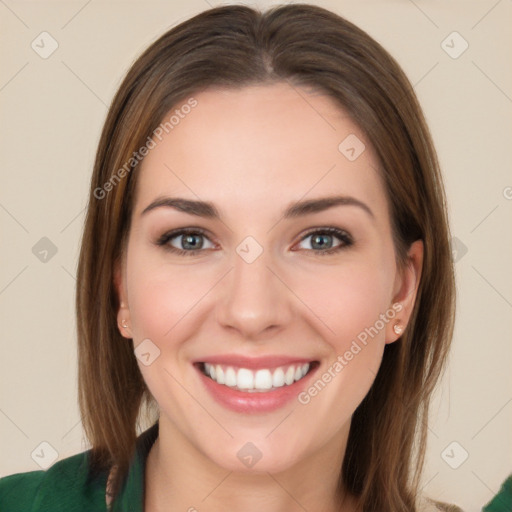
x=201, y=485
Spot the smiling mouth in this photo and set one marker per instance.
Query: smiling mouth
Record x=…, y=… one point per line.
x=256, y=381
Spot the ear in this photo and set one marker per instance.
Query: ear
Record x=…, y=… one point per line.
x=123, y=312
x=405, y=291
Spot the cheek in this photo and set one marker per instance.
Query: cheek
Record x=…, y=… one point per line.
x=163, y=300
x=350, y=303
x=347, y=298
x=161, y=296
x=155, y=305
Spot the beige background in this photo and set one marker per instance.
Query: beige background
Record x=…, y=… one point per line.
x=52, y=113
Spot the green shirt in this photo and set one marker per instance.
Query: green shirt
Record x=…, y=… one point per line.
x=67, y=487
x=502, y=502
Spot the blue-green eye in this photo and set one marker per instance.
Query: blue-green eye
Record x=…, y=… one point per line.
x=190, y=241
x=322, y=240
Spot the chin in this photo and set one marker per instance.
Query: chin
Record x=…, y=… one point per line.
x=241, y=455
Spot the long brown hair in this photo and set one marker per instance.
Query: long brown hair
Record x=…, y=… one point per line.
x=304, y=45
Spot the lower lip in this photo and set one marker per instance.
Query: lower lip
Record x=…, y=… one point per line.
x=258, y=401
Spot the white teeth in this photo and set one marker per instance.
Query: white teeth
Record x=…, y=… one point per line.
x=245, y=379
x=253, y=381
x=230, y=377
x=207, y=369
x=263, y=379
x=278, y=378
x=221, y=378
x=289, y=376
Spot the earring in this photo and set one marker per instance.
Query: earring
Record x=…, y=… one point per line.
x=398, y=328
x=123, y=323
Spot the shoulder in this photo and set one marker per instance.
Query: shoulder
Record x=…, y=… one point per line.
x=502, y=500
x=67, y=486
x=429, y=505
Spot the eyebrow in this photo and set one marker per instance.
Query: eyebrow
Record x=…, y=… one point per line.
x=208, y=210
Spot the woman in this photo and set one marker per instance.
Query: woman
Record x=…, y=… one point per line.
x=265, y=277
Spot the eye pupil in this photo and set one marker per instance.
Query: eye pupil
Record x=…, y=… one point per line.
x=317, y=241
x=188, y=241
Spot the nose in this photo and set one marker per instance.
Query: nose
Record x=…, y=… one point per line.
x=253, y=299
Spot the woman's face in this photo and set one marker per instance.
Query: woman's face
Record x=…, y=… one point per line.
x=248, y=290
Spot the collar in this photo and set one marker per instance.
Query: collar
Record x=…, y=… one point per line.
x=131, y=496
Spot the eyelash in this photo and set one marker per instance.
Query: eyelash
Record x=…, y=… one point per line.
x=343, y=236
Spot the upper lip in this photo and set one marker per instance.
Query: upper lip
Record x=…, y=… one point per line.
x=270, y=361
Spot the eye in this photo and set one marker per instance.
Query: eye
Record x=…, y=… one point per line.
x=188, y=241
x=322, y=240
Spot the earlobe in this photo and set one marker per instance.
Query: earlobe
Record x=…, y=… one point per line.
x=123, y=312
x=123, y=322
x=406, y=291
x=398, y=327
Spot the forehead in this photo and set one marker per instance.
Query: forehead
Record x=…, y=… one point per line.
x=260, y=145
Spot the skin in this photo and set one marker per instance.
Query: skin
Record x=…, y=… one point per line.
x=252, y=152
